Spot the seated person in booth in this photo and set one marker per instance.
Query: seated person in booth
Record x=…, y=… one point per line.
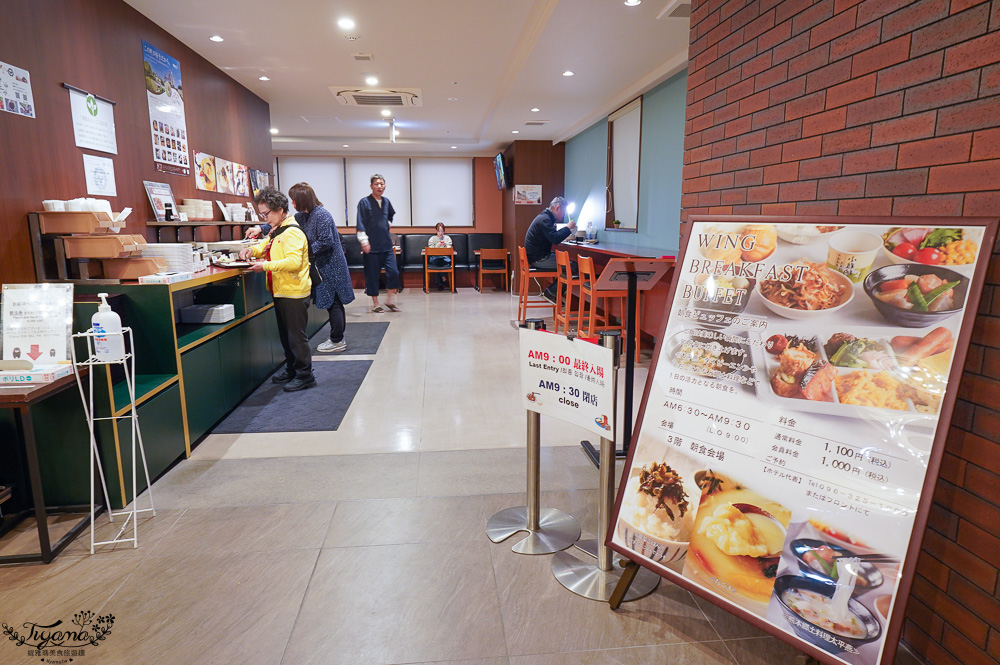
x=438, y=241
x=327, y=255
x=375, y=213
x=286, y=261
x=542, y=235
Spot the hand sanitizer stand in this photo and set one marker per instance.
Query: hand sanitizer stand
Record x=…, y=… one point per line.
x=130, y=514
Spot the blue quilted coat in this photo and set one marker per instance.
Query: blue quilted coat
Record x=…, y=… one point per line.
x=328, y=255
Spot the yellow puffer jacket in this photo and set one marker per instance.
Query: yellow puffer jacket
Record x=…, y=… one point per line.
x=288, y=263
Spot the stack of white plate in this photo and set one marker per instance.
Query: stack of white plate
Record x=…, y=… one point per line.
x=207, y=313
x=180, y=256
x=197, y=209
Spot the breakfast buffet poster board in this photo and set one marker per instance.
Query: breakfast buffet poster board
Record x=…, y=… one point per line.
x=794, y=418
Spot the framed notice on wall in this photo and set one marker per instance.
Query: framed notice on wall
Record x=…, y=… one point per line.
x=794, y=417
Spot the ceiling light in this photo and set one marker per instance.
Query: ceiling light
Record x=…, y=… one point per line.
x=454, y=147
x=274, y=130
x=453, y=99
x=216, y=38
x=535, y=110
x=514, y=131
x=371, y=80
x=386, y=113
x=395, y=132
x=346, y=24
x=567, y=73
x=346, y=145
x=632, y=3
x=263, y=78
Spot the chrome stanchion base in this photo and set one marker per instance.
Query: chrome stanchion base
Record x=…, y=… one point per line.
x=583, y=577
x=556, y=530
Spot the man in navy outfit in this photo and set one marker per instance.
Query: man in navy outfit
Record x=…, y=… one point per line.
x=542, y=235
x=375, y=214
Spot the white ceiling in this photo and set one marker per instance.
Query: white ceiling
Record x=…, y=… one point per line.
x=499, y=58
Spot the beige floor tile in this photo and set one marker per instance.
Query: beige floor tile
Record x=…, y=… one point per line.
x=761, y=651
x=400, y=521
x=474, y=661
x=229, y=608
x=703, y=653
x=246, y=529
x=537, y=611
x=23, y=538
x=729, y=626
x=406, y=603
x=151, y=529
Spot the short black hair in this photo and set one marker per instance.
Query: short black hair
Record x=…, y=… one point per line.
x=272, y=198
x=376, y=176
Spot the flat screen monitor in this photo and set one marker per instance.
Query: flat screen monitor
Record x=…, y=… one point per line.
x=501, y=176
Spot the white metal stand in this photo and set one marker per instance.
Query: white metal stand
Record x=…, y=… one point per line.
x=87, y=396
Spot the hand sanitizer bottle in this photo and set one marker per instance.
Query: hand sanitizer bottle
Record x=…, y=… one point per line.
x=109, y=342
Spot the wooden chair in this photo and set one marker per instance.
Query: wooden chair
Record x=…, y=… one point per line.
x=564, y=314
x=592, y=321
x=493, y=262
x=524, y=274
x=430, y=252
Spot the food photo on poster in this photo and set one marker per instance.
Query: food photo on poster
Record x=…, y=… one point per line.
x=779, y=461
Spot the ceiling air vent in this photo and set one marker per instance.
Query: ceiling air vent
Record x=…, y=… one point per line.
x=363, y=57
x=376, y=97
x=535, y=123
x=676, y=9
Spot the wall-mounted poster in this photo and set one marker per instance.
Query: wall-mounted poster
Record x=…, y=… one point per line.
x=159, y=195
x=15, y=91
x=165, y=96
x=527, y=194
x=224, y=176
x=794, y=419
x=93, y=121
x=241, y=182
x=204, y=171
x=100, y=175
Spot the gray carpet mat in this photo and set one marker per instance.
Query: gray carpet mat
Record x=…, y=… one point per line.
x=271, y=409
x=362, y=338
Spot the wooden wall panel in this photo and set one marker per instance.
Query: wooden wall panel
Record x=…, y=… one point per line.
x=530, y=163
x=97, y=45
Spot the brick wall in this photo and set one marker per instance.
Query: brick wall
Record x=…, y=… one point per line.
x=874, y=107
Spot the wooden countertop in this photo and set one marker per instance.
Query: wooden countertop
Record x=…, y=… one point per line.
x=14, y=396
x=617, y=249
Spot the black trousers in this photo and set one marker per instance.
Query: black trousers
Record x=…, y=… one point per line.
x=338, y=320
x=292, y=315
x=374, y=263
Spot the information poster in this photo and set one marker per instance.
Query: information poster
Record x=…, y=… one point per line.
x=527, y=194
x=93, y=122
x=165, y=96
x=159, y=195
x=791, y=415
x=15, y=90
x=569, y=379
x=37, y=322
x=100, y=175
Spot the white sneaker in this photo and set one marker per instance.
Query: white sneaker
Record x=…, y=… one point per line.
x=332, y=347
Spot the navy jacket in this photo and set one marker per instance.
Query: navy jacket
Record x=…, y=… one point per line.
x=542, y=235
x=375, y=221
x=328, y=255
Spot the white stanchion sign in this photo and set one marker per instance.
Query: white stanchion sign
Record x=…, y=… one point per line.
x=568, y=379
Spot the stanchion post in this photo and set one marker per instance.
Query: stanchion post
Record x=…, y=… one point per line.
x=607, y=468
x=534, y=448
x=630, y=323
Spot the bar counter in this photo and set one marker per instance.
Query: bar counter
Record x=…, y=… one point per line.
x=653, y=303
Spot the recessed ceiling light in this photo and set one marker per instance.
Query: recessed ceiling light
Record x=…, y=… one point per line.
x=274, y=130
x=454, y=147
x=514, y=131
x=263, y=78
x=386, y=113
x=567, y=73
x=453, y=99
x=535, y=110
x=632, y=3
x=216, y=38
x=346, y=24
x=371, y=80
x=346, y=145
x=395, y=132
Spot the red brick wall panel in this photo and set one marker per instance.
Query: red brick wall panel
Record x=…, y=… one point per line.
x=944, y=150
x=875, y=108
x=942, y=92
x=909, y=73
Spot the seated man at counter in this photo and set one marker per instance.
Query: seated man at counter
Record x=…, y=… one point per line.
x=542, y=235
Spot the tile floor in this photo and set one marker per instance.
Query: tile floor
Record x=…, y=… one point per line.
x=366, y=546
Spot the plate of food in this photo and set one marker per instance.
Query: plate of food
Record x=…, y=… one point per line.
x=954, y=247
x=811, y=609
x=806, y=290
x=206, y=173
x=230, y=263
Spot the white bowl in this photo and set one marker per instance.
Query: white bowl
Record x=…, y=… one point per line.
x=790, y=313
x=53, y=205
x=802, y=234
x=651, y=547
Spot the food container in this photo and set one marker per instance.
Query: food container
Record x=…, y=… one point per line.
x=102, y=246
x=79, y=222
x=869, y=577
x=133, y=267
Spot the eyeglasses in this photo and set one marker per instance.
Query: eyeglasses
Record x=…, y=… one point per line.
x=263, y=215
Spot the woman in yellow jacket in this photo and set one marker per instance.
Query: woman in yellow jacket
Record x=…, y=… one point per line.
x=285, y=251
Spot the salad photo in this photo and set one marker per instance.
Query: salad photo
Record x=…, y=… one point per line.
x=932, y=247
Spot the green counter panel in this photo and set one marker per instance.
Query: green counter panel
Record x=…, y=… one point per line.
x=164, y=443
x=202, y=369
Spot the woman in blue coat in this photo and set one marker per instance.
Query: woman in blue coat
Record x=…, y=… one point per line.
x=327, y=254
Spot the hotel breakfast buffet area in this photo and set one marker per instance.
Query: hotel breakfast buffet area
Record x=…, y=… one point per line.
x=805, y=196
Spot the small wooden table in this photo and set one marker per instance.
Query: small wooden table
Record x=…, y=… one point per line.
x=20, y=399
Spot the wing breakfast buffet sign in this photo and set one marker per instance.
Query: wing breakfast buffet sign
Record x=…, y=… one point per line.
x=794, y=418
